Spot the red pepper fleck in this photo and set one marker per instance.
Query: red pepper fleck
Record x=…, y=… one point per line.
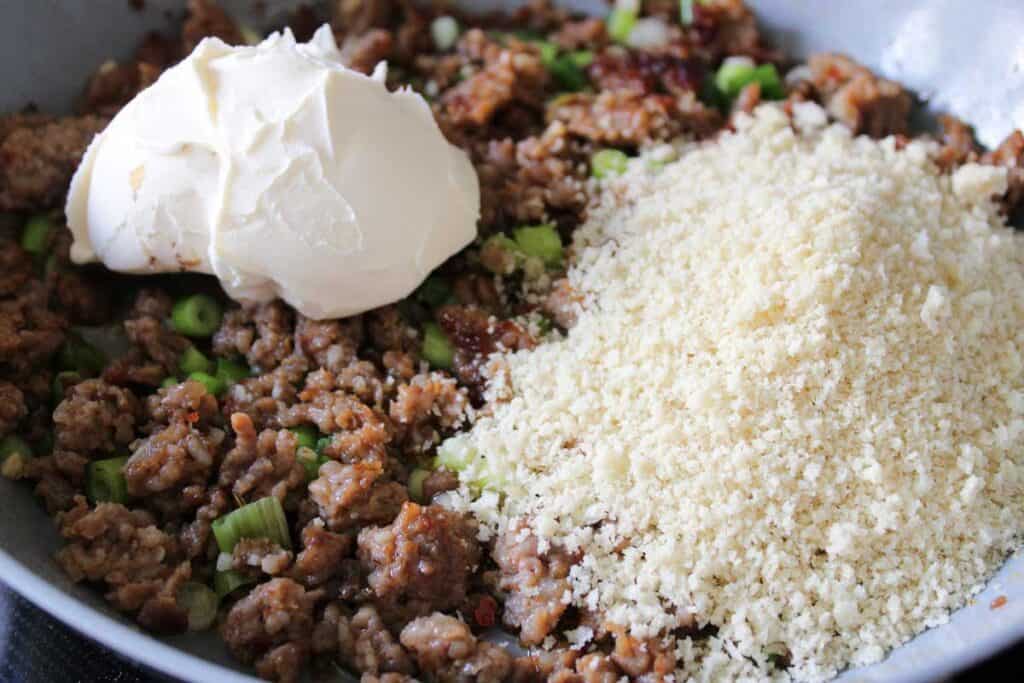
x=486, y=612
x=193, y=417
x=998, y=602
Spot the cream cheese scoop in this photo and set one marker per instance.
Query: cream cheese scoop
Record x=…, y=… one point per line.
x=281, y=172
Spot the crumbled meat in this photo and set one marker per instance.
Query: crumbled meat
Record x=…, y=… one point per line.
x=389, y=332
x=628, y=118
x=330, y=344
x=82, y=295
x=514, y=74
x=535, y=584
x=36, y=162
x=59, y=478
x=205, y=20
x=359, y=431
x=439, y=481
x=96, y=417
x=16, y=267
x=260, y=554
x=367, y=645
x=156, y=348
x=447, y=651
x=858, y=98
x=423, y=560
x=262, y=464
x=120, y=547
x=365, y=51
x=957, y=143
x=646, y=73
x=115, y=84
x=584, y=34
x=184, y=451
x=429, y=404
x=266, y=397
x=260, y=332
x=322, y=552
x=195, y=536
x=638, y=658
x=748, y=99
x=12, y=407
x=275, y=615
x=29, y=333
x=351, y=496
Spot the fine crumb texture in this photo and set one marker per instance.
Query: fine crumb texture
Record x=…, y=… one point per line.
x=790, y=404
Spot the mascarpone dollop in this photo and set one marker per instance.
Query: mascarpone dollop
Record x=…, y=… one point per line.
x=281, y=172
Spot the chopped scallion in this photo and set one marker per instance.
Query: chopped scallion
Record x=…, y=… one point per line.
x=437, y=349
x=227, y=582
x=311, y=461
x=435, y=291
x=193, y=360
x=61, y=381
x=306, y=435
x=607, y=163
x=169, y=382
x=736, y=73
x=620, y=23
x=215, y=386
x=80, y=356
x=568, y=70
x=12, y=445
x=686, y=12
x=35, y=238
x=262, y=519
x=232, y=371
x=105, y=482
x=196, y=316
x=416, y=479
x=200, y=602
x=540, y=241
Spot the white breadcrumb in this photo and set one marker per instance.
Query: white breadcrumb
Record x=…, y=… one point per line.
x=795, y=392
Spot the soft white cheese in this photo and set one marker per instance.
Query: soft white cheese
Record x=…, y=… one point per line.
x=280, y=171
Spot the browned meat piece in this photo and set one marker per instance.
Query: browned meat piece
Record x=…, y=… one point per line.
x=859, y=99
x=957, y=143
x=206, y=19
x=96, y=417
x=29, y=333
x=598, y=668
x=728, y=27
x=36, y=162
x=321, y=556
x=366, y=645
x=267, y=397
x=641, y=658
x=12, y=407
x=262, y=333
x=647, y=73
x=352, y=496
x=555, y=666
x=330, y=344
x=386, y=678
x=260, y=555
x=60, y=477
x=1010, y=154
x=83, y=296
x=115, y=84
x=389, y=332
x=563, y=304
x=477, y=289
x=359, y=431
x=439, y=481
x=126, y=551
x=156, y=348
x=359, y=16
x=272, y=627
x=195, y=536
x=161, y=613
x=16, y=267
x=183, y=446
x=428, y=405
x=535, y=584
x=748, y=99
x=399, y=365
x=362, y=379
x=512, y=74
x=473, y=329
x=422, y=561
x=448, y=652
x=586, y=34
x=364, y=52
x=627, y=118
x=261, y=464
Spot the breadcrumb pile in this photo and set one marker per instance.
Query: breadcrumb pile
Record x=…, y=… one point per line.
x=791, y=405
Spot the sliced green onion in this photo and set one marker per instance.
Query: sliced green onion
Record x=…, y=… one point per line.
x=437, y=350
x=227, y=582
x=445, y=32
x=105, y=482
x=231, y=371
x=35, y=238
x=193, y=360
x=620, y=23
x=12, y=445
x=540, y=241
x=215, y=386
x=435, y=291
x=734, y=74
x=548, y=52
x=322, y=443
x=311, y=461
x=500, y=254
x=455, y=454
x=771, y=85
x=196, y=316
x=170, y=382
x=61, y=381
x=80, y=356
x=262, y=519
x=416, y=480
x=686, y=12
x=306, y=435
x=201, y=604
x=568, y=70
x=607, y=163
